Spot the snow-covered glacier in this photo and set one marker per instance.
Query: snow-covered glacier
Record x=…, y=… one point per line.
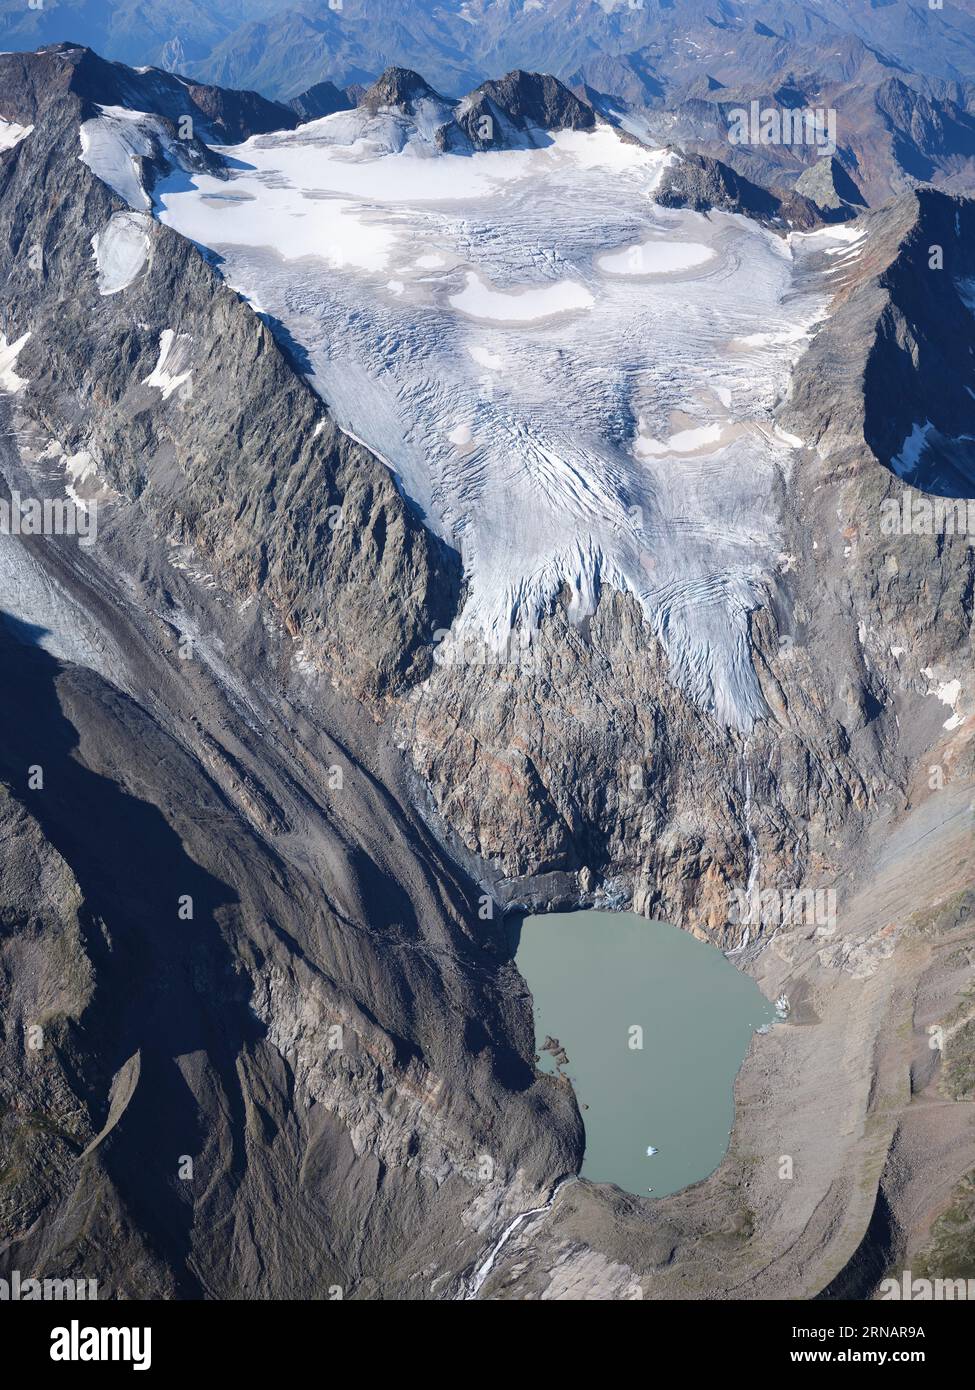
x=575, y=386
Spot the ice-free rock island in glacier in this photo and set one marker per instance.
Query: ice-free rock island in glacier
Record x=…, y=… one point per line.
x=576, y=386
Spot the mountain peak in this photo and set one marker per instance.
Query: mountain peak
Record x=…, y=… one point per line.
x=536, y=98
x=400, y=87
x=30, y=82
x=829, y=186
x=517, y=103
x=323, y=99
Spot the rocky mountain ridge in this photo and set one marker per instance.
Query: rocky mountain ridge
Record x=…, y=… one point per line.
x=350, y=818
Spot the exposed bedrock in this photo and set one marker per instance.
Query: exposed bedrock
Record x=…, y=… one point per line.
x=577, y=760
x=389, y=1157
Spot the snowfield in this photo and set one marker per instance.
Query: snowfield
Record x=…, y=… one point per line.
x=576, y=387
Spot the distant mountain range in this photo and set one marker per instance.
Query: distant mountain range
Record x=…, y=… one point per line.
x=898, y=73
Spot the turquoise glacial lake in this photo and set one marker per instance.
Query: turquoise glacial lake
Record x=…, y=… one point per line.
x=655, y=1025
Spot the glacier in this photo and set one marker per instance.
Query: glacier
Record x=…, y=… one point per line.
x=575, y=386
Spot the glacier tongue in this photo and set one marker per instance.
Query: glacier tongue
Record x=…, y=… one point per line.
x=575, y=386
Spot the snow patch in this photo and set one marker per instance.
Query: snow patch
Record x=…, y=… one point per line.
x=9, y=352
x=655, y=258
x=11, y=134
x=171, y=370
x=493, y=361
x=907, y=461
x=949, y=693
x=461, y=436
x=121, y=251
x=524, y=305
x=80, y=469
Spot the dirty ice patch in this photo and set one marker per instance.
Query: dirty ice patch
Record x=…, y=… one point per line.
x=121, y=251
x=11, y=134
x=655, y=258
x=687, y=441
x=9, y=352
x=529, y=304
x=172, y=370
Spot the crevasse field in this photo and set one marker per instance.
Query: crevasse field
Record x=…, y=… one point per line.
x=574, y=385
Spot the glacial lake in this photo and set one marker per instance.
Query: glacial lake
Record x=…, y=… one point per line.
x=599, y=977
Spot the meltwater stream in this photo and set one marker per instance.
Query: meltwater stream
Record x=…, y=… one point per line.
x=655, y=1026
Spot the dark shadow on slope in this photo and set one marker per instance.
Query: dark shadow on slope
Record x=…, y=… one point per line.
x=165, y=988
x=296, y=354
x=875, y=1254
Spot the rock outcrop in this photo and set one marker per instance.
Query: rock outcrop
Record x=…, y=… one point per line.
x=701, y=183
x=324, y=99
x=506, y=112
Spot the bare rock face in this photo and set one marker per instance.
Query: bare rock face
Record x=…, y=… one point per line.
x=197, y=1026
x=28, y=81
x=401, y=88
x=892, y=356
x=324, y=99
x=829, y=186
x=500, y=113
x=700, y=182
